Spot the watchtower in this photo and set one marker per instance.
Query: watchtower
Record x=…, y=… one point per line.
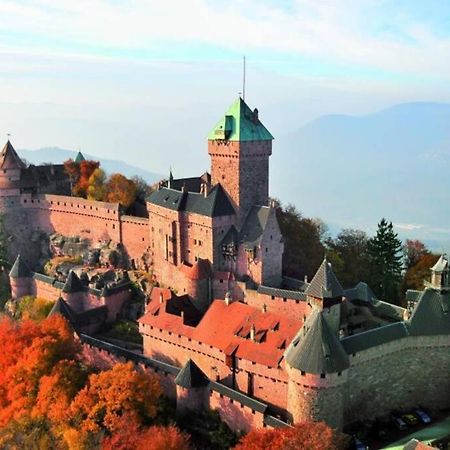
x=240, y=146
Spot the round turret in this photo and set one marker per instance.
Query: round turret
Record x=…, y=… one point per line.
x=20, y=279
x=317, y=367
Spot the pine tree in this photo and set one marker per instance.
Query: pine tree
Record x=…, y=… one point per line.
x=385, y=251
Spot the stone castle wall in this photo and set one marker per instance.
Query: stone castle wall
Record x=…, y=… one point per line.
x=402, y=374
x=72, y=216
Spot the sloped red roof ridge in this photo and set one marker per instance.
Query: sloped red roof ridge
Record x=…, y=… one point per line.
x=228, y=328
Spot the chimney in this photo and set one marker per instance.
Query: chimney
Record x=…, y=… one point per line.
x=182, y=316
x=161, y=298
x=255, y=115
x=252, y=333
x=205, y=189
x=305, y=279
x=228, y=298
x=183, y=188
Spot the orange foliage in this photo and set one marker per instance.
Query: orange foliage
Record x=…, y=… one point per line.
x=29, y=352
x=79, y=174
x=58, y=389
x=113, y=393
x=128, y=435
x=120, y=189
x=302, y=436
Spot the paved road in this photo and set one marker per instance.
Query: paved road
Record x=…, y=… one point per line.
x=437, y=431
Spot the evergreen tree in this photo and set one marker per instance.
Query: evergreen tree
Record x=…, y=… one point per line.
x=385, y=252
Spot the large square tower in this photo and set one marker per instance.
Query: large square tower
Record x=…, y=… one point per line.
x=240, y=146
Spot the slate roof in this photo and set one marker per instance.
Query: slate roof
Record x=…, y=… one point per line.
x=20, y=269
x=191, y=184
x=215, y=204
x=61, y=307
x=73, y=284
x=191, y=376
x=431, y=316
x=324, y=283
x=254, y=225
x=9, y=159
x=240, y=123
x=377, y=336
x=282, y=293
x=316, y=349
x=361, y=292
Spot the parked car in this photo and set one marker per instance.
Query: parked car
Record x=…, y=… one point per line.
x=359, y=445
x=410, y=419
x=422, y=416
x=398, y=422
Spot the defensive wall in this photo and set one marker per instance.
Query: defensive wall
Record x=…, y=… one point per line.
x=74, y=216
x=84, y=301
x=237, y=410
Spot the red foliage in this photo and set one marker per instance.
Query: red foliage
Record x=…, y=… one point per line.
x=30, y=352
x=128, y=435
x=79, y=174
x=302, y=436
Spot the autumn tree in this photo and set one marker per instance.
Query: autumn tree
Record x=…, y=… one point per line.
x=417, y=274
x=414, y=250
x=385, y=252
x=30, y=351
x=119, y=189
x=79, y=174
x=113, y=393
x=303, y=248
x=97, y=188
x=128, y=434
x=302, y=436
x=348, y=253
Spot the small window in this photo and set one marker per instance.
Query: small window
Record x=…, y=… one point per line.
x=322, y=375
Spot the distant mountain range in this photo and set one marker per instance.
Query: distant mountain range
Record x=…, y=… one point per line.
x=351, y=171
x=58, y=155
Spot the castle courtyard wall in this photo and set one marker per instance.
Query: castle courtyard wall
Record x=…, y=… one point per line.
x=402, y=374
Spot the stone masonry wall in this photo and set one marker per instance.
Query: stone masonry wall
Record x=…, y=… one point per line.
x=402, y=374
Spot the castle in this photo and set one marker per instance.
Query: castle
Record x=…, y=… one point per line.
x=223, y=326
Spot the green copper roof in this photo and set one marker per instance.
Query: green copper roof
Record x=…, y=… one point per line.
x=79, y=158
x=240, y=123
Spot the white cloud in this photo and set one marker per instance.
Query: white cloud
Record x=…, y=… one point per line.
x=332, y=30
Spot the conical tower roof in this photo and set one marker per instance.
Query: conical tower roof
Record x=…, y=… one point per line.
x=9, y=159
x=240, y=123
x=79, y=158
x=325, y=284
x=73, y=284
x=20, y=269
x=191, y=376
x=62, y=308
x=316, y=349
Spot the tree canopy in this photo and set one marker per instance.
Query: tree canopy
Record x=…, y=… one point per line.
x=302, y=436
x=348, y=253
x=303, y=248
x=385, y=252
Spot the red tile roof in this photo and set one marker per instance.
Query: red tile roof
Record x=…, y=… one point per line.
x=228, y=328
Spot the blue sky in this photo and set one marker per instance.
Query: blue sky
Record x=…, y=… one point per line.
x=145, y=80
